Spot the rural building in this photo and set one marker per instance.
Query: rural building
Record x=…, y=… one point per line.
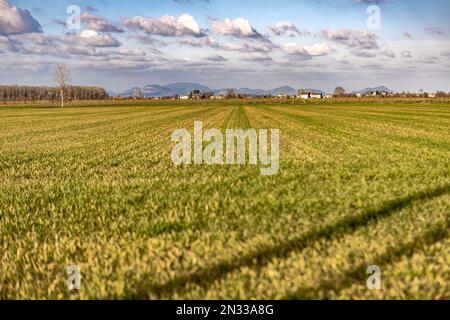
x=309, y=95
x=184, y=98
x=304, y=94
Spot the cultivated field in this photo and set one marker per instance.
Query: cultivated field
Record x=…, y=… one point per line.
x=359, y=185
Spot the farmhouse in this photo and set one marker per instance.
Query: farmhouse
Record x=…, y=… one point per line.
x=306, y=94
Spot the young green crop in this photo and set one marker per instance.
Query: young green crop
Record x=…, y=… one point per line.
x=359, y=184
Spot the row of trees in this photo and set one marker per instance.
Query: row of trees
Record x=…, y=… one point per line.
x=62, y=91
x=31, y=93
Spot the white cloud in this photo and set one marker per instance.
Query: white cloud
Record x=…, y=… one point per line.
x=168, y=26
x=287, y=29
x=239, y=28
x=95, y=39
x=353, y=38
x=248, y=46
x=318, y=49
x=14, y=20
x=99, y=24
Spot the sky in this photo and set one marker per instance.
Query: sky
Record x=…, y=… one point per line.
x=401, y=44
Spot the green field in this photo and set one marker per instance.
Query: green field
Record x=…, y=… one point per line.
x=359, y=185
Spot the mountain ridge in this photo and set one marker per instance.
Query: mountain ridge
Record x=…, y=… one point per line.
x=185, y=88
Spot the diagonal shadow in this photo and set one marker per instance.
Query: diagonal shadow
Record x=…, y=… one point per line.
x=205, y=276
x=358, y=274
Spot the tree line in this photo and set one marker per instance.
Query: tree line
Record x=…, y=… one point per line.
x=42, y=93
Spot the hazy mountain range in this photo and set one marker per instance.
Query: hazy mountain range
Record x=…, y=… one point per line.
x=380, y=88
x=185, y=88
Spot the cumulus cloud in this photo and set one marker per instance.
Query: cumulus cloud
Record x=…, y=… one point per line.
x=167, y=26
x=203, y=42
x=319, y=49
x=14, y=20
x=238, y=28
x=248, y=46
x=99, y=24
x=85, y=44
x=360, y=39
x=287, y=29
x=60, y=46
x=9, y=45
x=95, y=39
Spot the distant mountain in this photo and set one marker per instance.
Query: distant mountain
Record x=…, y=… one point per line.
x=313, y=90
x=156, y=90
x=252, y=92
x=185, y=88
x=380, y=88
x=284, y=90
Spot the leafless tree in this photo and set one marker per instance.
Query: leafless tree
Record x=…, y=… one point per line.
x=62, y=79
x=230, y=94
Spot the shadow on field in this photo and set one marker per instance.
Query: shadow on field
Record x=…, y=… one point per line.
x=206, y=276
x=358, y=274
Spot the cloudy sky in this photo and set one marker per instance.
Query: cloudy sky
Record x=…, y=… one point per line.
x=403, y=44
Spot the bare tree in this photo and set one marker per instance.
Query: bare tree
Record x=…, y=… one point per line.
x=62, y=79
x=230, y=94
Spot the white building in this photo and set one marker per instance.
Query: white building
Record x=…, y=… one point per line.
x=304, y=94
x=309, y=95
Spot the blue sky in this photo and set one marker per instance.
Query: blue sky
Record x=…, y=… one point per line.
x=232, y=43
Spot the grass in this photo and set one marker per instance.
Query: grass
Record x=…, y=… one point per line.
x=361, y=183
